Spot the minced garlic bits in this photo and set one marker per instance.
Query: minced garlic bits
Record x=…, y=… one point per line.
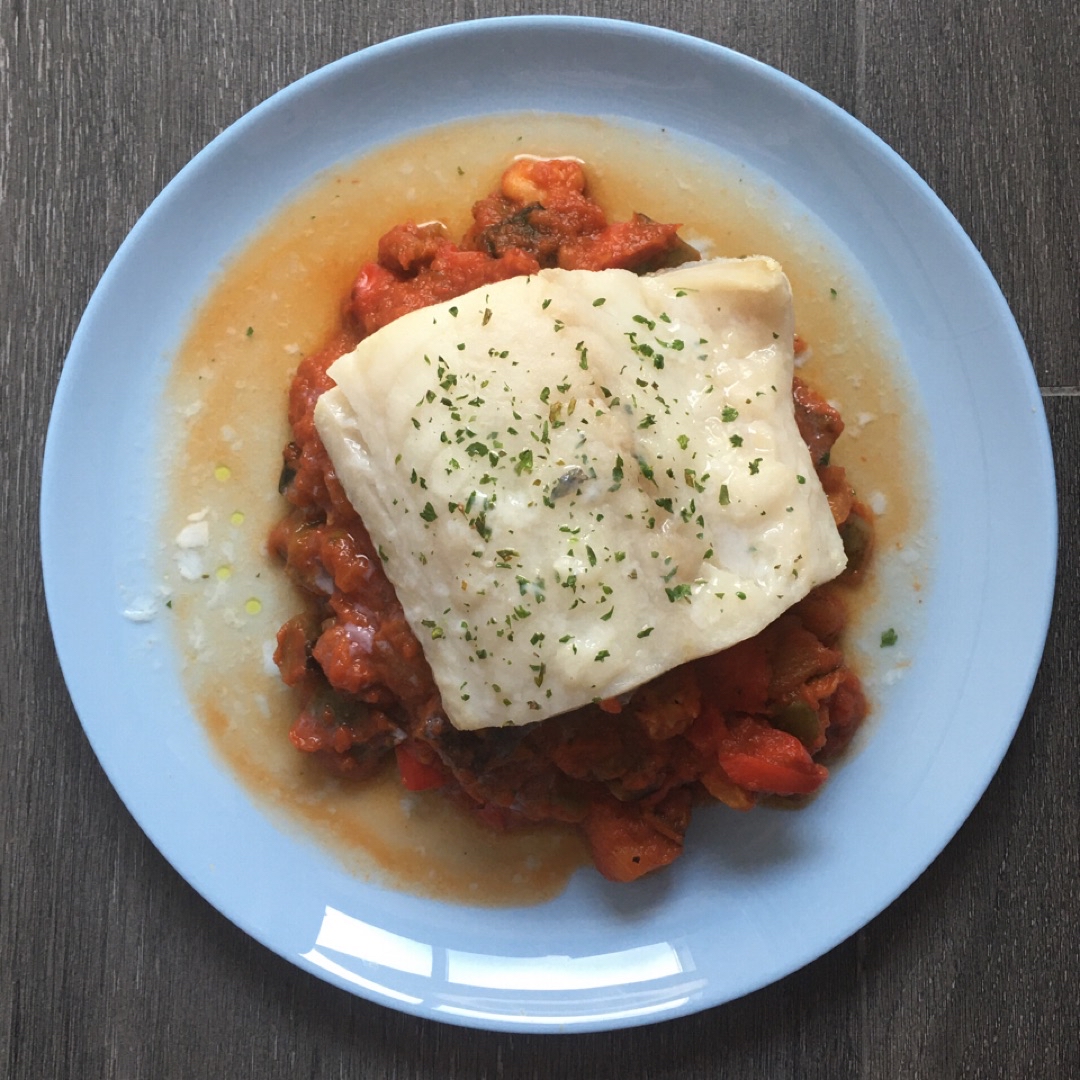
x=578, y=480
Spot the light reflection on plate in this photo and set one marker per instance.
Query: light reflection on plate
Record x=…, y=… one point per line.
x=751, y=901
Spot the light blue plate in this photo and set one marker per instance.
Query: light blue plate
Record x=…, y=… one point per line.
x=768, y=892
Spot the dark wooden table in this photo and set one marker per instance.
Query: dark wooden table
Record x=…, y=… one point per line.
x=111, y=966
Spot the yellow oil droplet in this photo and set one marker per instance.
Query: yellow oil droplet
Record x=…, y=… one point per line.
x=224, y=573
x=222, y=473
x=237, y=517
x=253, y=606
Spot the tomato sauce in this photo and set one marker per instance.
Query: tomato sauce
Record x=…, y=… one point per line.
x=758, y=719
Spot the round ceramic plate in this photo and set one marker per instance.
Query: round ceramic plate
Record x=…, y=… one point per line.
x=749, y=903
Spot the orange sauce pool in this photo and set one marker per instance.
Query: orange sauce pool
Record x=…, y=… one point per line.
x=279, y=298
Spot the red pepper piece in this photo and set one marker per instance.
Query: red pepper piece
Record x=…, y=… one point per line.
x=417, y=775
x=759, y=757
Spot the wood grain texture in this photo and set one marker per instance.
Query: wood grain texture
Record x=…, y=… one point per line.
x=111, y=966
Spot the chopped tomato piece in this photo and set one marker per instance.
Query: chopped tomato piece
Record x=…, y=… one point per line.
x=417, y=775
x=406, y=248
x=317, y=728
x=293, y=653
x=380, y=296
x=624, y=844
x=819, y=423
x=624, y=245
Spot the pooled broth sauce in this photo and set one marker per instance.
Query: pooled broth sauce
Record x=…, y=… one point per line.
x=281, y=297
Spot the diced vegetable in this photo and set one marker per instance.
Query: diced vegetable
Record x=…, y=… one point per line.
x=801, y=720
x=624, y=845
x=417, y=775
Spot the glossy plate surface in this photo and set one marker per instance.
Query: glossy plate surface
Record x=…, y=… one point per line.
x=750, y=902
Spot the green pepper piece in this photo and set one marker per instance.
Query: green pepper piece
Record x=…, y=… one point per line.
x=801, y=720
